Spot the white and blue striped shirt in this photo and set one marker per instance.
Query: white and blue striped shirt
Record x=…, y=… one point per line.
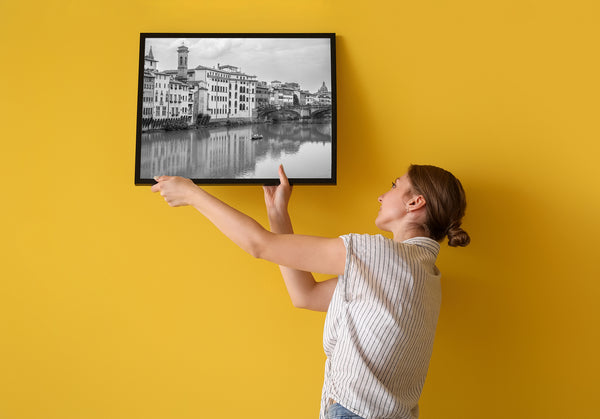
x=380, y=326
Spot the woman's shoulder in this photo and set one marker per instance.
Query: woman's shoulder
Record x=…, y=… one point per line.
x=365, y=237
x=367, y=241
x=378, y=242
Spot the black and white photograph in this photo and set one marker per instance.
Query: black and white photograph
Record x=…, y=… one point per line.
x=230, y=108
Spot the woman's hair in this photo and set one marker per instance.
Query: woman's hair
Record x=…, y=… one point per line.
x=445, y=203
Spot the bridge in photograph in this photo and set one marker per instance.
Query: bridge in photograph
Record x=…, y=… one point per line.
x=297, y=111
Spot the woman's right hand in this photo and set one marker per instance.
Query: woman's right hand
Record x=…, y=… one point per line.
x=278, y=197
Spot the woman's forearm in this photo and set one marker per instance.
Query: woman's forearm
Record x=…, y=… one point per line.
x=304, y=291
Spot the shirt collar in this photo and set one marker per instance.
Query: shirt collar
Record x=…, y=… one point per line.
x=426, y=242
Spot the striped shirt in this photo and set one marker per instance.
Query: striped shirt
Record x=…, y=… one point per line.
x=380, y=326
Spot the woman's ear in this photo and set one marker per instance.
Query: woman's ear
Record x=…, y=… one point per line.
x=415, y=203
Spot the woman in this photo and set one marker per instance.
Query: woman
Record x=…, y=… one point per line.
x=383, y=306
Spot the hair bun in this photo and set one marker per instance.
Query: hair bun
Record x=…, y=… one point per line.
x=458, y=237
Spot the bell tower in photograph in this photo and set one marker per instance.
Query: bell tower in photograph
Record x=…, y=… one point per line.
x=182, y=62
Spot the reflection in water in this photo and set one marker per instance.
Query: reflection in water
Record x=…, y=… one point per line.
x=230, y=153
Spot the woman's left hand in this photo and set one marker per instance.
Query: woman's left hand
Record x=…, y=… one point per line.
x=176, y=190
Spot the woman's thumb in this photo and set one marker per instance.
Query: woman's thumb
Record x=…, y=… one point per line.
x=282, y=176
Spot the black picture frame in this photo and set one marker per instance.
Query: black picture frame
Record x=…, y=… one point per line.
x=218, y=122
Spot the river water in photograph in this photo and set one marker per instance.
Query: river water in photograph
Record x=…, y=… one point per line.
x=231, y=153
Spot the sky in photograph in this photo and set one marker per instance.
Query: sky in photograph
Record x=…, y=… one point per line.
x=305, y=61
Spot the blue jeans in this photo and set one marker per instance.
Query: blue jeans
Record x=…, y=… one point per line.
x=337, y=411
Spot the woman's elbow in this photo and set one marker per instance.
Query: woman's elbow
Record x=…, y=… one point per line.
x=299, y=302
x=258, y=246
x=308, y=305
x=255, y=250
x=307, y=301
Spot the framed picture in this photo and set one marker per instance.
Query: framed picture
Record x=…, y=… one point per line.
x=230, y=108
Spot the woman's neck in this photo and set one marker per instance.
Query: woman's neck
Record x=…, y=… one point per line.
x=409, y=232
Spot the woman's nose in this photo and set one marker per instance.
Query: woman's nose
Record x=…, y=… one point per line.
x=380, y=199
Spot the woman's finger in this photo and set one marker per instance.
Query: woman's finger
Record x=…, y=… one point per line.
x=283, y=179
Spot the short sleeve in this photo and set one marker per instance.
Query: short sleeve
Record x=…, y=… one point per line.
x=365, y=258
x=343, y=279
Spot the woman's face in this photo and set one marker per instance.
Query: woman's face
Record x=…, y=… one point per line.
x=394, y=203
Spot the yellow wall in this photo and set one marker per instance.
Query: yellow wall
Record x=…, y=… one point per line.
x=113, y=305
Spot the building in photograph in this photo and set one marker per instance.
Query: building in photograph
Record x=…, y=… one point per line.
x=182, y=63
x=148, y=94
x=161, y=95
x=198, y=102
x=262, y=94
x=296, y=93
x=324, y=95
x=231, y=93
x=300, y=97
x=178, y=99
x=149, y=61
x=160, y=88
x=303, y=97
x=311, y=99
x=281, y=96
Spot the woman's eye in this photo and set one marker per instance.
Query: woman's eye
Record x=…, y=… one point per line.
x=393, y=185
